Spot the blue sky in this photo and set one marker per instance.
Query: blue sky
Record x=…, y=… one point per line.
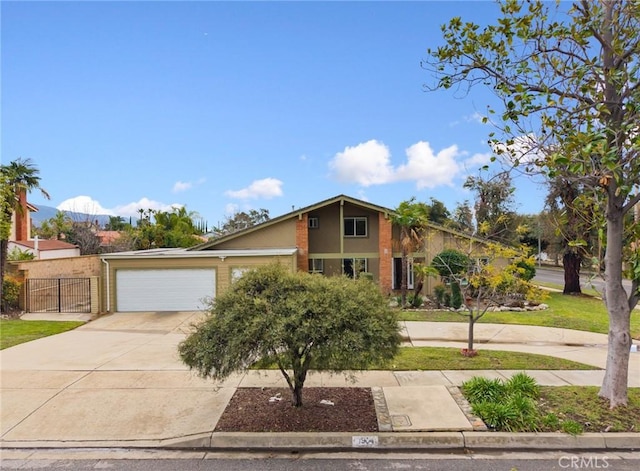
x=230, y=106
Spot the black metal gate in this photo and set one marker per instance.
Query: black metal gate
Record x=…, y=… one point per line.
x=58, y=295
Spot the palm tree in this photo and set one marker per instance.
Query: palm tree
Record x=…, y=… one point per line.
x=18, y=177
x=141, y=211
x=412, y=218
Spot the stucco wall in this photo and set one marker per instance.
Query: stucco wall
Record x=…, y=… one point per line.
x=278, y=235
x=87, y=266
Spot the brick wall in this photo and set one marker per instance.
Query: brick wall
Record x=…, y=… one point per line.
x=302, y=242
x=71, y=267
x=386, y=253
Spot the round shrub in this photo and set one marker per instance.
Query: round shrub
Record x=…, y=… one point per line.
x=451, y=262
x=10, y=293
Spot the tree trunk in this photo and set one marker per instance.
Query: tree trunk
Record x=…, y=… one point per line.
x=614, y=384
x=571, y=262
x=299, y=376
x=297, y=395
x=472, y=321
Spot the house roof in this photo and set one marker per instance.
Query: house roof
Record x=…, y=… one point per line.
x=108, y=237
x=307, y=209
x=295, y=213
x=45, y=244
x=186, y=253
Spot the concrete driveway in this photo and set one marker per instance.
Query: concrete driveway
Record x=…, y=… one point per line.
x=94, y=383
x=118, y=382
x=121, y=341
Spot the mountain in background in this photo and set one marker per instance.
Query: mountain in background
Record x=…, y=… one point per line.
x=48, y=212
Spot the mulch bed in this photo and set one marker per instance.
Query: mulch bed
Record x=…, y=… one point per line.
x=249, y=410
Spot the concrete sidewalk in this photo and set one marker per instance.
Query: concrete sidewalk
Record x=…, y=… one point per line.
x=118, y=382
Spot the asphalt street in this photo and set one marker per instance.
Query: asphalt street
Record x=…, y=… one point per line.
x=196, y=461
x=556, y=276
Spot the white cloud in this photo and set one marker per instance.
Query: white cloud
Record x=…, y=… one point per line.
x=87, y=205
x=230, y=209
x=523, y=149
x=184, y=186
x=478, y=159
x=427, y=169
x=475, y=118
x=367, y=164
x=370, y=164
x=84, y=204
x=266, y=188
x=362, y=195
x=181, y=186
x=131, y=209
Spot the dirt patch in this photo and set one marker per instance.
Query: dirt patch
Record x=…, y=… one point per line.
x=347, y=410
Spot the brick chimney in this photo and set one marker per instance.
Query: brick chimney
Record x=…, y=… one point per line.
x=22, y=217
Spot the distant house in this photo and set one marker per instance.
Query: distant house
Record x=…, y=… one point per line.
x=46, y=249
x=22, y=240
x=108, y=238
x=337, y=236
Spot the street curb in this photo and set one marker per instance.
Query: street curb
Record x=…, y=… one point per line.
x=372, y=442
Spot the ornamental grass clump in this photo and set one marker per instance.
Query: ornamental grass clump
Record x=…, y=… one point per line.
x=505, y=406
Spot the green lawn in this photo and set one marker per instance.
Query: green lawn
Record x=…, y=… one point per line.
x=14, y=332
x=569, y=312
x=446, y=358
x=581, y=405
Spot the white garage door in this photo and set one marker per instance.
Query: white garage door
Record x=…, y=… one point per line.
x=164, y=290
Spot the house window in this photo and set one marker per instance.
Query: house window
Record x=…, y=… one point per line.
x=352, y=267
x=314, y=223
x=355, y=227
x=316, y=265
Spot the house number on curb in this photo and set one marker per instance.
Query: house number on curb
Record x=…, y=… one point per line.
x=367, y=441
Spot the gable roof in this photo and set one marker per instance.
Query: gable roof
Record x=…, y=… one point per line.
x=307, y=209
x=295, y=213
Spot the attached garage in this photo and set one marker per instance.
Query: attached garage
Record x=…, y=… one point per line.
x=164, y=280
x=164, y=290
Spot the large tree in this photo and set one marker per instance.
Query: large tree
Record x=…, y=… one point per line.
x=568, y=78
x=175, y=228
x=241, y=220
x=296, y=320
x=494, y=207
x=20, y=176
x=438, y=212
x=574, y=212
x=56, y=228
x=84, y=236
x=462, y=218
